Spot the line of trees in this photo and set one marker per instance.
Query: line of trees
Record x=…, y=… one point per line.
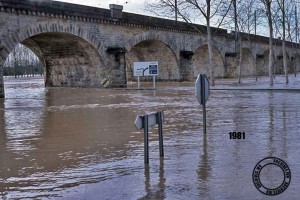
x=247, y=16
x=22, y=62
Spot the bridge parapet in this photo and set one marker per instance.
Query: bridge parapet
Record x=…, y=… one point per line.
x=87, y=13
x=64, y=10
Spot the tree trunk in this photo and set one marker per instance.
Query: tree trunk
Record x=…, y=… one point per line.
x=255, y=63
x=283, y=44
x=241, y=58
x=270, y=42
x=210, y=54
x=285, y=62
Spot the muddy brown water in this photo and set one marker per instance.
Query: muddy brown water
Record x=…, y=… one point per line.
x=76, y=143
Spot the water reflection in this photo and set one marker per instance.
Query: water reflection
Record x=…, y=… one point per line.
x=278, y=126
x=204, y=170
x=43, y=136
x=2, y=140
x=156, y=191
x=2, y=123
x=271, y=126
x=75, y=143
x=21, y=127
x=23, y=123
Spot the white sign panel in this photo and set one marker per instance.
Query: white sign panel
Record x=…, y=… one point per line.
x=152, y=120
x=145, y=68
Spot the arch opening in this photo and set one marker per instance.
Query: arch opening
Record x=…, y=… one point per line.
x=153, y=50
x=22, y=62
x=68, y=60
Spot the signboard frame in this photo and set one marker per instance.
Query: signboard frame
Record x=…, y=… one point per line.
x=143, y=68
x=146, y=121
x=148, y=68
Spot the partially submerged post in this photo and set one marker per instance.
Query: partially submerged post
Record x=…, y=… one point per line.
x=202, y=93
x=146, y=121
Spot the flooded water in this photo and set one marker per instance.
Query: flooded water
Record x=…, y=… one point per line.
x=75, y=143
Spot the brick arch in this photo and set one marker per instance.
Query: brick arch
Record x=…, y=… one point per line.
x=203, y=41
x=82, y=68
x=9, y=43
x=151, y=35
x=201, y=58
x=215, y=47
x=153, y=50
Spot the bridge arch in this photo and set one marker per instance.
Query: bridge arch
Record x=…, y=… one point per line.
x=248, y=63
x=151, y=35
x=71, y=56
x=200, y=61
x=152, y=47
x=278, y=62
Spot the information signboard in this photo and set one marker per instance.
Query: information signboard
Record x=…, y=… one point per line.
x=145, y=68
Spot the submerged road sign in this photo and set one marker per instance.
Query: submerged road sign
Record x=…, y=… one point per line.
x=144, y=122
x=202, y=93
x=152, y=120
x=202, y=89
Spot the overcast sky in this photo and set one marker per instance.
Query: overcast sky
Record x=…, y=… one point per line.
x=133, y=6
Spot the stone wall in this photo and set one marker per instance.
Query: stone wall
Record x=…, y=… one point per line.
x=201, y=62
x=81, y=45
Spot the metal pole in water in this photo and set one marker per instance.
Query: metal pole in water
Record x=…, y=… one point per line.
x=160, y=133
x=204, y=118
x=153, y=82
x=146, y=139
x=138, y=82
x=203, y=102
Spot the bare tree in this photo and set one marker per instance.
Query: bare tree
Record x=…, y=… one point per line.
x=190, y=10
x=292, y=26
x=268, y=9
x=22, y=61
x=282, y=8
x=286, y=24
x=296, y=35
x=244, y=15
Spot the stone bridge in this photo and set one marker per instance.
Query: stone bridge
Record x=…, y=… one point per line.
x=80, y=45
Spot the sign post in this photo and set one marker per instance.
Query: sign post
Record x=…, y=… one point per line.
x=143, y=122
x=146, y=138
x=202, y=93
x=145, y=69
